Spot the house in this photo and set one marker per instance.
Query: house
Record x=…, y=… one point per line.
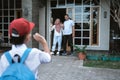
x=91, y=17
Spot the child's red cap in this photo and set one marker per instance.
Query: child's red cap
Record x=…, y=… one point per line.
x=22, y=27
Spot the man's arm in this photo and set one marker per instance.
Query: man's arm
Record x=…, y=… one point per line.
x=73, y=31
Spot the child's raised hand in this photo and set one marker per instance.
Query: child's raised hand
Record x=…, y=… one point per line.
x=39, y=38
x=42, y=40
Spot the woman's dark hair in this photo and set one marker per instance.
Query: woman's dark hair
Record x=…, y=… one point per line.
x=66, y=15
x=17, y=40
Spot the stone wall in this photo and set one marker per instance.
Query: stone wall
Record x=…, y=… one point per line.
x=35, y=19
x=30, y=10
x=36, y=6
x=27, y=13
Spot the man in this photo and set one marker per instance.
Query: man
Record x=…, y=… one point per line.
x=68, y=33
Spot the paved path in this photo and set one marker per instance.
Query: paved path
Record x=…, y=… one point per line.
x=70, y=68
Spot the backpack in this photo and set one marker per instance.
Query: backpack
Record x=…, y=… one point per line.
x=18, y=70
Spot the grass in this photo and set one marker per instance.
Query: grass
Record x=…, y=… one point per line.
x=102, y=64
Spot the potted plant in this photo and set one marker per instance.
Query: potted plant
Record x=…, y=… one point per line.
x=80, y=51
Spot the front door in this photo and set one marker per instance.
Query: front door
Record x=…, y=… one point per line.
x=57, y=13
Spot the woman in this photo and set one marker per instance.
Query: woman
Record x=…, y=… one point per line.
x=57, y=27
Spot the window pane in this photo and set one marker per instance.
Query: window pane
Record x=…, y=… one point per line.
x=86, y=17
x=61, y=2
x=86, y=14
x=70, y=1
x=11, y=12
x=0, y=19
x=78, y=14
x=18, y=3
x=95, y=2
x=77, y=41
x=11, y=4
x=0, y=26
x=78, y=2
x=77, y=33
x=78, y=10
x=6, y=19
x=5, y=33
x=85, y=41
x=86, y=9
x=5, y=12
x=6, y=4
x=6, y=40
x=11, y=19
x=86, y=2
x=70, y=12
x=18, y=13
x=95, y=25
x=78, y=18
x=53, y=3
x=86, y=26
x=5, y=26
x=0, y=4
x=0, y=13
x=86, y=34
x=77, y=25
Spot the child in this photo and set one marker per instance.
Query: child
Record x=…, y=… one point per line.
x=57, y=27
x=19, y=32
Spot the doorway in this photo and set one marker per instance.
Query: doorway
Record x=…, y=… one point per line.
x=57, y=13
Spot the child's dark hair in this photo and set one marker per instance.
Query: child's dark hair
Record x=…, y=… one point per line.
x=17, y=40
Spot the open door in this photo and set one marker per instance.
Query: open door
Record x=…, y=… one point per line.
x=57, y=13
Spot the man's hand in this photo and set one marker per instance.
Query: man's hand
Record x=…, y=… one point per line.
x=73, y=35
x=73, y=31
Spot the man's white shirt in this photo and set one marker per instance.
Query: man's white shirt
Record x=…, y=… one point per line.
x=68, y=24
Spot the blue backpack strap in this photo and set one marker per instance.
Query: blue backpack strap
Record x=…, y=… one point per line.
x=8, y=56
x=25, y=55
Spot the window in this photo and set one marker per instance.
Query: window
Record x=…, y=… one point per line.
x=85, y=13
x=87, y=22
x=9, y=10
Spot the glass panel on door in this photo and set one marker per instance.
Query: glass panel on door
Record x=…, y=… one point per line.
x=95, y=25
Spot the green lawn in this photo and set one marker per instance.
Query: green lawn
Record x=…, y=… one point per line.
x=102, y=64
